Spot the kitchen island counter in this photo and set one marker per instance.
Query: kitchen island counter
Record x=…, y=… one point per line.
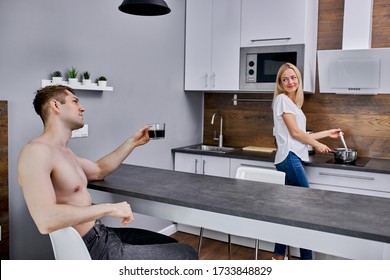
x=275, y=213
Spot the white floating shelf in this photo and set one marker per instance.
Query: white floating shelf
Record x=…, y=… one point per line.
x=78, y=86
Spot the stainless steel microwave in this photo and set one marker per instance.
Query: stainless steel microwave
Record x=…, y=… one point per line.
x=259, y=65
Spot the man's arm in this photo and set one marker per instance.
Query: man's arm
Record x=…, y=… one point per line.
x=107, y=164
x=34, y=169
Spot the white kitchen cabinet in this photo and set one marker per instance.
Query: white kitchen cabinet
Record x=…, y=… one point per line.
x=278, y=22
x=236, y=163
x=212, y=45
x=201, y=164
x=365, y=183
x=283, y=22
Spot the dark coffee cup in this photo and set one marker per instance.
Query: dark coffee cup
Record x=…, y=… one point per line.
x=157, y=131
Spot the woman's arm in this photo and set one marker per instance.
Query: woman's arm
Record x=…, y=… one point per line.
x=332, y=133
x=300, y=135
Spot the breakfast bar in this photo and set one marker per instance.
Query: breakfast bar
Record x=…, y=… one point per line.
x=347, y=225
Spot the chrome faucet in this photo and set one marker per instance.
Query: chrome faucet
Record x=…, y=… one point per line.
x=220, y=137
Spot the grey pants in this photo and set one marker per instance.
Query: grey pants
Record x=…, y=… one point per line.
x=105, y=243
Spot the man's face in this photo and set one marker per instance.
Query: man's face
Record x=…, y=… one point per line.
x=72, y=111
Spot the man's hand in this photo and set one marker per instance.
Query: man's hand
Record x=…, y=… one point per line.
x=141, y=137
x=123, y=210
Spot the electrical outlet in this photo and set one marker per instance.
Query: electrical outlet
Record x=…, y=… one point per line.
x=82, y=132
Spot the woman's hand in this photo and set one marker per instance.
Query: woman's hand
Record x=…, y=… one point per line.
x=334, y=133
x=322, y=148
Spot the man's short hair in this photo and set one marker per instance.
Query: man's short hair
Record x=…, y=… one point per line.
x=43, y=96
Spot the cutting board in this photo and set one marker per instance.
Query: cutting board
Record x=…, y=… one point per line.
x=259, y=149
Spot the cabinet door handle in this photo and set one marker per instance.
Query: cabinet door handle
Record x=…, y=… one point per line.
x=204, y=165
x=347, y=176
x=196, y=166
x=257, y=166
x=206, y=80
x=212, y=80
x=270, y=39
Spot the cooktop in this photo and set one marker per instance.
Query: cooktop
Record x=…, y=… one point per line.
x=360, y=161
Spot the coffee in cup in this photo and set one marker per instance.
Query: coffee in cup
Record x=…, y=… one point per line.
x=157, y=131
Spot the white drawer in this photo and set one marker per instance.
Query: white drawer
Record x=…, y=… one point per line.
x=349, y=179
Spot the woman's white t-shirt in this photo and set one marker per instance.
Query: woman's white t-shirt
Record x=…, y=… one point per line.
x=286, y=143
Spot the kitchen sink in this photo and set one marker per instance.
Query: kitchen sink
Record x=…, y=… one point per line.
x=210, y=148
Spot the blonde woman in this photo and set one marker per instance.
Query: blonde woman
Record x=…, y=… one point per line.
x=291, y=137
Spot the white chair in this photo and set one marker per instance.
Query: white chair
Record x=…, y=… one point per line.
x=261, y=175
x=68, y=245
x=252, y=174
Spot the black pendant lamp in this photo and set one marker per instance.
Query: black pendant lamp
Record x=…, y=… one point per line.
x=145, y=7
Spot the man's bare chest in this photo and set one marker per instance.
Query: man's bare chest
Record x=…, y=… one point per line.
x=67, y=174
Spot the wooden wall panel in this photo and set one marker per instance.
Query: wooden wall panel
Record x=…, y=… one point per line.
x=330, y=24
x=4, y=220
x=381, y=24
x=246, y=124
x=365, y=119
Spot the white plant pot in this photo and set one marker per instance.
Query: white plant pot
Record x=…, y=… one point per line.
x=56, y=80
x=72, y=81
x=102, y=83
x=86, y=82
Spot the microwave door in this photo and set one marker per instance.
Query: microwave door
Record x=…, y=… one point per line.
x=269, y=64
x=259, y=65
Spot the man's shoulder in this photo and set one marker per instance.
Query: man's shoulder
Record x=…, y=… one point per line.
x=34, y=156
x=36, y=147
x=37, y=144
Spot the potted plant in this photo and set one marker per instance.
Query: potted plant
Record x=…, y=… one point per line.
x=102, y=81
x=72, y=75
x=86, y=78
x=56, y=77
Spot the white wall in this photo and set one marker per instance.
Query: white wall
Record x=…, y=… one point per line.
x=143, y=58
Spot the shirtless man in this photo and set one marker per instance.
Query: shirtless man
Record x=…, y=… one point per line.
x=54, y=182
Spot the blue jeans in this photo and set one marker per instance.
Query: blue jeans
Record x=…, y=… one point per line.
x=295, y=176
x=105, y=243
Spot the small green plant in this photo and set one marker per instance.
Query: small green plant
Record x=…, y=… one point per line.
x=102, y=78
x=86, y=75
x=72, y=73
x=56, y=74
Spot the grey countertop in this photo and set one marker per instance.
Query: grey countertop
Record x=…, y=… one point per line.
x=347, y=214
x=326, y=161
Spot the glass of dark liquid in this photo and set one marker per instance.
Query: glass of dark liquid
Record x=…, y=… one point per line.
x=157, y=131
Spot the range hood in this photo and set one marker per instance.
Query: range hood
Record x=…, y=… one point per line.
x=356, y=68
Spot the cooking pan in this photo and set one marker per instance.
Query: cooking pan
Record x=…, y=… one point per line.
x=342, y=155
